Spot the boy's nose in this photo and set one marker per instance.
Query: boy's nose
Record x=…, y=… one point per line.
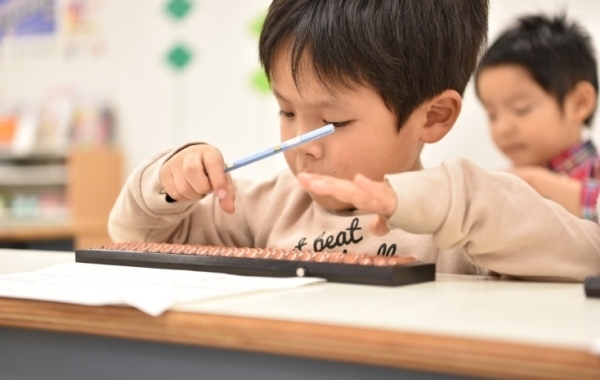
x=504, y=127
x=311, y=148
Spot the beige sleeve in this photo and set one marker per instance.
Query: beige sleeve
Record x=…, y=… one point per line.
x=141, y=212
x=498, y=220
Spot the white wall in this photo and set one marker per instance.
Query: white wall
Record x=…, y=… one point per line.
x=212, y=99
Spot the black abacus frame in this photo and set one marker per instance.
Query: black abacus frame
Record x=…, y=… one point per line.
x=392, y=275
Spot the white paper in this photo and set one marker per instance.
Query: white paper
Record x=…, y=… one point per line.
x=150, y=290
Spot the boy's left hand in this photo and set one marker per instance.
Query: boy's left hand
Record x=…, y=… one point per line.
x=557, y=187
x=366, y=195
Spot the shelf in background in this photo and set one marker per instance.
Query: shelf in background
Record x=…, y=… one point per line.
x=89, y=179
x=39, y=153
x=86, y=233
x=35, y=230
x=33, y=175
x=8, y=222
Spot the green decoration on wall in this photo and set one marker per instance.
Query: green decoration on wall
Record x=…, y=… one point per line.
x=178, y=9
x=257, y=24
x=260, y=82
x=179, y=56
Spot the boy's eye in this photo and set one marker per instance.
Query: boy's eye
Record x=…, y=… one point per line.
x=338, y=124
x=522, y=111
x=286, y=114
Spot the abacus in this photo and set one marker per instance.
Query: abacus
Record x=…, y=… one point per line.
x=333, y=266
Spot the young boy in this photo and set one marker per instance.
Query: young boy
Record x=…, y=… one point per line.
x=538, y=83
x=389, y=75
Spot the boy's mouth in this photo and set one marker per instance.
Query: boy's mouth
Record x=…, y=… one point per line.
x=514, y=149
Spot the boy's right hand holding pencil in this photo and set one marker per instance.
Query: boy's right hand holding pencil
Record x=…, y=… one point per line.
x=196, y=171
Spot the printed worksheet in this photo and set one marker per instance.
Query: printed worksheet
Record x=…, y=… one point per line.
x=150, y=290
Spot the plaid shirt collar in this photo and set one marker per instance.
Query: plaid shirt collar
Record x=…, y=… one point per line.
x=580, y=155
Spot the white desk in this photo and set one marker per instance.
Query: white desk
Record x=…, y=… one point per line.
x=458, y=325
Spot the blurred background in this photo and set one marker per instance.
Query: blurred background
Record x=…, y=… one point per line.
x=90, y=88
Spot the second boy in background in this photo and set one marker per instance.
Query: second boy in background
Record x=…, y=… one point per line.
x=538, y=82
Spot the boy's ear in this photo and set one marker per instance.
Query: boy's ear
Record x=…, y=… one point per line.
x=582, y=101
x=441, y=113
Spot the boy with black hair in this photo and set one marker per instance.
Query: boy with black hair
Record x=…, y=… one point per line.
x=389, y=75
x=538, y=82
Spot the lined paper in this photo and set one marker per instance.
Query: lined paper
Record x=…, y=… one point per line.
x=150, y=290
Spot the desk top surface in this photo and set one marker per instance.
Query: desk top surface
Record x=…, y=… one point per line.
x=545, y=314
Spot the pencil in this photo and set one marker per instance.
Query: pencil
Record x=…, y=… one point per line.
x=291, y=143
x=281, y=147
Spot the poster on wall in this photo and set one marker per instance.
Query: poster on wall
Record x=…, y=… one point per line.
x=26, y=18
x=81, y=22
x=27, y=28
x=42, y=28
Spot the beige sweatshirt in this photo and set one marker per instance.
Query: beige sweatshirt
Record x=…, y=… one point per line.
x=459, y=216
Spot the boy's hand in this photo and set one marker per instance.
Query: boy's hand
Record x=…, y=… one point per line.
x=366, y=195
x=559, y=188
x=196, y=171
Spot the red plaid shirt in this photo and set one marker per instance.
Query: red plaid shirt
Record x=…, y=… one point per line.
x=582, y=162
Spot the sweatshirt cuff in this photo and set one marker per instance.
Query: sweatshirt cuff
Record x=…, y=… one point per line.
x=422, y=200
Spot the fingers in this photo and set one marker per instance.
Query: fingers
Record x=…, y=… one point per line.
x=191, y=180
x=365, y=194
x=213, y=170
x=228, y=202
x=379, y=226
x=219, y=181
x=176, y=187
x=380, y=191
x=196, y=171
x=340, y=189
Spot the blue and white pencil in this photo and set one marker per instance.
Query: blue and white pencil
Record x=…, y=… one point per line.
x=291, y=143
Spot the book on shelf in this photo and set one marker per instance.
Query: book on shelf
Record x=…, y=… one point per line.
x=49, y=127
x=31, y=207
x=33, y=175
x=42, y=144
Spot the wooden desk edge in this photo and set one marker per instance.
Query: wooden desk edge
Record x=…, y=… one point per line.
x=445, y=354
x=53, y=231
x=40, y=232
x=84, y=232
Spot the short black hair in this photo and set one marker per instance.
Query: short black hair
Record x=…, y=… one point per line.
x=407, y=50
x=557, y=53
